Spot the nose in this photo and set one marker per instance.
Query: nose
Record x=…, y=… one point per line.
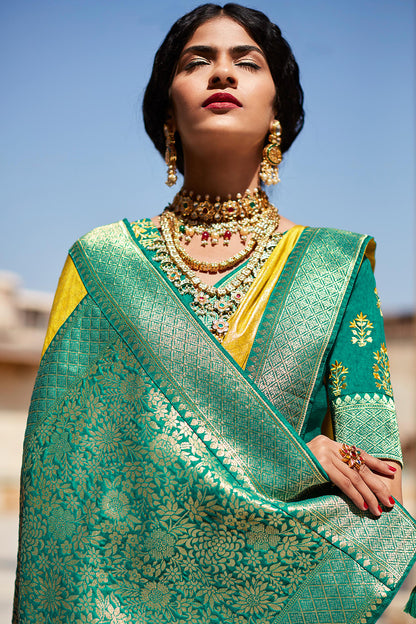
x=223, y=75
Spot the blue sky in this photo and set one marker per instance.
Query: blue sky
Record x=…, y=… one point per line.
x=74, y=154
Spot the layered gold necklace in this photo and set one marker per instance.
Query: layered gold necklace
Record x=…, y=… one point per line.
x=251, y=216
x=215, y=220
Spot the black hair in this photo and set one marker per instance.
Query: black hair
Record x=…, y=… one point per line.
x=279, y=56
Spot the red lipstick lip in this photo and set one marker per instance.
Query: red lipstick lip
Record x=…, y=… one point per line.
x=221, y=97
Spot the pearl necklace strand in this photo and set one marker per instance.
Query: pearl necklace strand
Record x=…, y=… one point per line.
x=213, y=304
x=196, y=281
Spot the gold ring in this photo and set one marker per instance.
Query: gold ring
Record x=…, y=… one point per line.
x=351, y=456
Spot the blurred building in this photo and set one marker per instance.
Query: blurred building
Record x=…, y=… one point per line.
x=23, y=320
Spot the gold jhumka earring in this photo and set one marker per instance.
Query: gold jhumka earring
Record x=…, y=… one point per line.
x=272, y=156
x=170, y=155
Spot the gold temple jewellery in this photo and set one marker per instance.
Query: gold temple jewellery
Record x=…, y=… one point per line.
x=258, y=231
x=258, y=218
x=220, y=219
x=201, y=265
x=192, y=207
x=170, y=155
x=214, y=305
x=224, y=230
x=182, y=262
x=351, y=456
x=272, y=156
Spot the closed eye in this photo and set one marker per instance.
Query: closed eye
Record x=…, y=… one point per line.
x=250, y=65
x=196, y=63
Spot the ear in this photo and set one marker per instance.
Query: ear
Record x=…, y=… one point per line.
x=272, y=121
x=170, y=121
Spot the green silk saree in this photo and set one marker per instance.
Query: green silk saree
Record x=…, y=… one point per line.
x=162, y=483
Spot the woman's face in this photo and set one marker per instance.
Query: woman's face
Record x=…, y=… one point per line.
x=222, y=91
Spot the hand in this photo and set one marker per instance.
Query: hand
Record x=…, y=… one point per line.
x=367, y=487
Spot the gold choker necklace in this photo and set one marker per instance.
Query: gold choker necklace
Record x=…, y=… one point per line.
x=194, y=208
x=219, y=220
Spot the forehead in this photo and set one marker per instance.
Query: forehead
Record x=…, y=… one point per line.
x=219, y=31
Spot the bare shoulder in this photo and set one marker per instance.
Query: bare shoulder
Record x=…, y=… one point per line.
x=285, y=224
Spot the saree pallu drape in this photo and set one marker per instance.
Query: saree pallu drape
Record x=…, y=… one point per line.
x=162, y=484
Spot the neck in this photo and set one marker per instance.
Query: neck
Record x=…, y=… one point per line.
x=221, y=175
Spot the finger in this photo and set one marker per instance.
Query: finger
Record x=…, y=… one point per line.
x=377, y=486
x=350, y=481
x=367, y=464
x=378, y=465
x=363, y=489
x=344, y=477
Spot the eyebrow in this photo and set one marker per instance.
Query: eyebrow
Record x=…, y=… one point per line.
x=235, y=50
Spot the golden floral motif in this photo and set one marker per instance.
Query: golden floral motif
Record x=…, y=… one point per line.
x=149, y=570
x=102, y=577
x=361, y=329
x=66, y=547
x=155, y=596
x=61, y=523
x=165, y=449
x=201, y=507
x=240, y=619
x=381, y=370
x=95, y=408
x=262, y=538
x=255, y=599
x=81, y=477
x=115, y=505
x=94, y=557
x=72, y=408
x=213, y=595
x=86, y=618
x=145, y=231
x=295, y=576
x=222, y=548
x=59, y=445
x=109, y=439
x=86, y=600
x=50, y=594
x=287, y=547
x=160, y=544
x=132, y=388
x=304, y=560
x=158, y=405
x=378, y=301
x=271, y=556
x=51, y=546
x=191, y=568
x=87, y=575
x=337, y=377
x=182, y=544
x=109, y=609
x=254, y=559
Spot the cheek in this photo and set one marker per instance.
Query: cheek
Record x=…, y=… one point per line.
x=263, y=95
x=183, y=104
x=269, y=96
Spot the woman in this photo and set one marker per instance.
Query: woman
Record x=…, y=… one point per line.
x=190, y=452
